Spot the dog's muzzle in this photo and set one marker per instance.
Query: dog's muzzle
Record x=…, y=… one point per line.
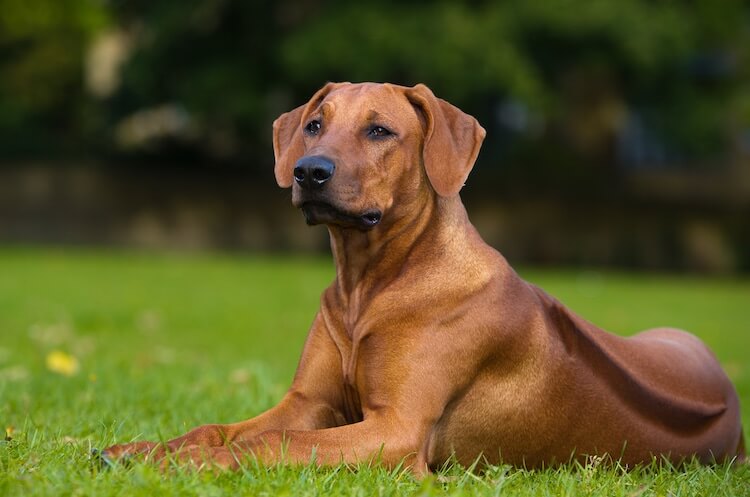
x=311, y=173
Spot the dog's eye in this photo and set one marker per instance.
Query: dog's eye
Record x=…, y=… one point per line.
x=379, y=132
x=313, y=127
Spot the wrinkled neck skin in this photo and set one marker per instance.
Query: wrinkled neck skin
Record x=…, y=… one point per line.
x=369, y=260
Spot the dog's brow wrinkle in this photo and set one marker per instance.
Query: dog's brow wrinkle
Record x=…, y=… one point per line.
x=327, y=108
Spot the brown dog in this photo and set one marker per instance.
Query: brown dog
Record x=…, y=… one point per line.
x=428, y=344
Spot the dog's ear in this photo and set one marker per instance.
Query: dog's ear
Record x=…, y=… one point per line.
x=287, y=136
x=451, y=140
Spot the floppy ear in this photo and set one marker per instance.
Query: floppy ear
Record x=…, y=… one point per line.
x=451, y=141
x=287, y=145
x=287, y=136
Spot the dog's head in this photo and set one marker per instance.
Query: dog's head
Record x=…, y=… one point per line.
x=355, y=151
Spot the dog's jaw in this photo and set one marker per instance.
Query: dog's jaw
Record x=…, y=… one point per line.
x=317, y=212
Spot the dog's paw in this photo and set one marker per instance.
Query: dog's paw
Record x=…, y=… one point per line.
x=100, y=459
x=125, y=454
x=198, y=457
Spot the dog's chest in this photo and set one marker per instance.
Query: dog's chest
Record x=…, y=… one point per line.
x=350, y=391
x=349, y=363
x=352, y=323
x=345, y=334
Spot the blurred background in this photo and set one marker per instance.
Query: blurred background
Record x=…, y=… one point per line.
x=618, y=130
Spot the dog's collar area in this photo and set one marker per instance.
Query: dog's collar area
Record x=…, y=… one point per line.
x=324, y=213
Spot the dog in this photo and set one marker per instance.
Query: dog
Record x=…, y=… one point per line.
x=428, y=347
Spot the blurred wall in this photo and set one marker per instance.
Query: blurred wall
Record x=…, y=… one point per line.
x=236, y=209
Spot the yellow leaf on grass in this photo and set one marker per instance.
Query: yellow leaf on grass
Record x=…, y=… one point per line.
x=62, y=363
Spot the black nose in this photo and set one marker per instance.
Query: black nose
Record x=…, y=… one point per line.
x=313, y=171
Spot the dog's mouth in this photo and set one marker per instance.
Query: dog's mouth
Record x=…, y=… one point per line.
x=323, y=213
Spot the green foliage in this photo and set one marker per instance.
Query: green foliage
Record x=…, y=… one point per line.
x=495, y=47
x=42, y=50
x=167, y=342
x=234, y=65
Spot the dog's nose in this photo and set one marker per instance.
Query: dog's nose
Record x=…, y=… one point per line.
x=313, y=171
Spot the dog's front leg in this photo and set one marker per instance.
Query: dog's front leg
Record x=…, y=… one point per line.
x=313, y=402
x=384, y=438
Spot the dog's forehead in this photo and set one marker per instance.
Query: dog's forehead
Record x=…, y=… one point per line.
x=369, y=101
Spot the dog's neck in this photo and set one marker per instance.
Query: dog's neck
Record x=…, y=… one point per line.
x=388, y=248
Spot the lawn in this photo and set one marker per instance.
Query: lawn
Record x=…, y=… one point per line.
x=102, y=346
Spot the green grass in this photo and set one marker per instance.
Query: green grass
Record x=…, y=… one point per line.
x=167, y=342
